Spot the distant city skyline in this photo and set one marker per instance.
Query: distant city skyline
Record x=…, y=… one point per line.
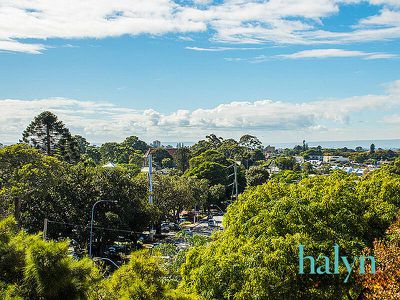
x=284, y=71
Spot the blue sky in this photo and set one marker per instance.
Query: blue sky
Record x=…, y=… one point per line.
x=281, y=69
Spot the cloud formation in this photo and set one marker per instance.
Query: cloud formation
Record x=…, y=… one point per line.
x=230, y=21
x=102, y=121
x=325, y=53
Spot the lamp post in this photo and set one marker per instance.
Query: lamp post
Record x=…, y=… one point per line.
x=218, y=207
x=91, y=224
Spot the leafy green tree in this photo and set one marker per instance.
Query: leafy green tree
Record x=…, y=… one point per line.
x=216, y=194
x=136, y=157
x=36, y=187
x=159, y=154
x=285, y=163
x=121, y=152
x=51, y=274
x=81, y=143
x=256, y=256
x=142, y=278
x=359, y=149
x=181, y=158
x=257, y=175
x=214, y=172
x=134, y=143
x=211, y=142
x=230, y=148
x=372, y=149
x=93, y=152
x=167, y=163
x=250, y=141
x=49, y=135
x=209, y=156
x=172, y=194
x=35, y=269
x=395, y=168
x=110, y=152
x=308, y=167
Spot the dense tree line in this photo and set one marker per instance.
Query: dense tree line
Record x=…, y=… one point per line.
x=58, y=176
x=256, y=257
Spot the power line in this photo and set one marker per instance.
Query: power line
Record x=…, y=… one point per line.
x=235, y=180
x=96, y=227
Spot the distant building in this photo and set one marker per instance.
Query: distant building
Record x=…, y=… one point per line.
x=272, y=168
x=315, y=157
x=299, y=159
x=180, y=145
x=332, y=159
x=171, y=151
x=109, y=165
x=156, y=144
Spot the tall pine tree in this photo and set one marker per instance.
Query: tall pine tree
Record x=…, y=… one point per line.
x=49, y=135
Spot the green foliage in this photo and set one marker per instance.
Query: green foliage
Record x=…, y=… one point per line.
x=172, y=194
x=285, y=163
x=31, y=268
x=159, y=154
x=120, y=153
x=209, y=156
x=249, y=141
x=13, y=158
x=214, y=172
x=36, y=187
x=49, y=135
x=256, y=257
x=50, y=273
x=181, y=158
x=136, y=158
x=216, y=194
x=288, y=176
x=257, y=175
x=167, y=163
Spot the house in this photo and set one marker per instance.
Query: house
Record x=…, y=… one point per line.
x=109, y=165
x=272, y=168
x=299, y=159
x=332, y=159
x=315, y=157
x=171, y=151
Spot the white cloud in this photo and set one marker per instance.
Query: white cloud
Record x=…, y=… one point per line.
x=325, y=53
x=392, y=119
x=219, y=49
x=386, y=17
x=101, y=121
x=317, y=54
x=14, y=46
x=232, y=21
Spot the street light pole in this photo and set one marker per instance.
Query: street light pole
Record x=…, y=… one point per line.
x=91, y=224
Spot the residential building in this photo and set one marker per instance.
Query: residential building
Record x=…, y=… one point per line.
x=332, y=159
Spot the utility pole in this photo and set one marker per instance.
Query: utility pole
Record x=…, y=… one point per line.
x=46, y=221
x=236, y=181
x=234, y=184
x=150, y=161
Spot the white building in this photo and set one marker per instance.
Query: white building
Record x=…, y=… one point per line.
x=332, y=159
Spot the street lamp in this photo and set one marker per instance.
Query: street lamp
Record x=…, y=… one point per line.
x=91, y=224
x=218, y=207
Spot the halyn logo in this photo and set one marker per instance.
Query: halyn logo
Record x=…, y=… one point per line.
x=324, y=267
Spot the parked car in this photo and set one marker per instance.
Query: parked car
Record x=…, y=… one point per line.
x=211, y=223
